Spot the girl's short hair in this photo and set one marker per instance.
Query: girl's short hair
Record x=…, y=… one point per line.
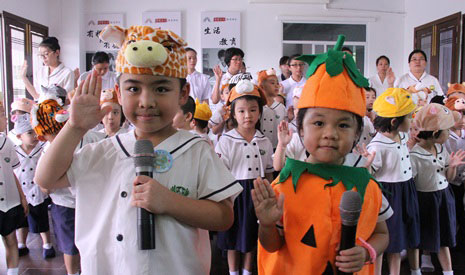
x=371, y=89
x=383, y=57
x=51, y=43
x=429, y=134
x=230, y=53
x=248, y=98
x=301, y=114
x=383, y=124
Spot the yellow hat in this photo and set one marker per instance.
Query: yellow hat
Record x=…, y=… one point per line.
x=202, y=111
x=394, y=102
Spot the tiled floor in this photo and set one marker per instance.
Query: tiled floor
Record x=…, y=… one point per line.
x=33, y=264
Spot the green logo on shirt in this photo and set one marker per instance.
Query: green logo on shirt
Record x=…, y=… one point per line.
x=180, y=190
x=7, y=159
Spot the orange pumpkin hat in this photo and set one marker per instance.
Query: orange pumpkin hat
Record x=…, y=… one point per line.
x=334, y=82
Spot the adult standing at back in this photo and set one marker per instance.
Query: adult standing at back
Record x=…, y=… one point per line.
x=200, y=87
x=233, y=58
x=284, y=67
x=101, y=64
x=53, y=73
x=385, y=77
x=297, y=78
x=418, y=77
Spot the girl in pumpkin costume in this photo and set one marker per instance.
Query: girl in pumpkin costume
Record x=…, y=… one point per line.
x=300, y=224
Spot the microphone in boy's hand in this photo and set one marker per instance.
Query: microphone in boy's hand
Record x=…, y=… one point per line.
x=143, y=161
x=349, y=208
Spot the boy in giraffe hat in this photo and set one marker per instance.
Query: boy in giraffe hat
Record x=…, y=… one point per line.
x=298, y=213
x=191, y=191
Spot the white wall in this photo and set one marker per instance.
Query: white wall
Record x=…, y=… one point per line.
x=421, y=12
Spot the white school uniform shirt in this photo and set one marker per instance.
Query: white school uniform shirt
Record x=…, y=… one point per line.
x=295, y=149
x=66, y=196
x=26, y=171
x=108, y=79
x=429, y=171
x=409, y=79
x=200, y=87
x=392, y=160
x=106, y=224
x=61, y=76
x=453, y=144
x=354, y=159
x=271, y=117
x=9, y=195
x=380, y=87
x=246, y=160
x=288, y=88
x=120, y=131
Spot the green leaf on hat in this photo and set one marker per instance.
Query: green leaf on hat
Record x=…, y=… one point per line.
x=335, y=61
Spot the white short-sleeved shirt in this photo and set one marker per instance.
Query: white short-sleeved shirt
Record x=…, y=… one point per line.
x=288, y=88
x=295, y=149
x=246, y=160
x=271, y=117
x=409, y=79
x=61, y=76
x=26, y=171
x=429, y=171
x=106, y=224
x=108, y=79
x=9, y=195
x=200, y=87
x=120, y=131
x=353, y=158
x=453, y=144
x=380, y=87
x=392, y=159
x=66, y=196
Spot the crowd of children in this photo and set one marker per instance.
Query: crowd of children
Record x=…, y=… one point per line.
x=267, y=178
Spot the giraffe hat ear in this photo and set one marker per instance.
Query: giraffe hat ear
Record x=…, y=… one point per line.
x=113, y=34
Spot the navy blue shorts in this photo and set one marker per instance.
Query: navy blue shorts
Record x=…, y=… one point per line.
x=37, y=220
x=10, y=220
x=437, y=219
x=404, y=224
x=63, y=224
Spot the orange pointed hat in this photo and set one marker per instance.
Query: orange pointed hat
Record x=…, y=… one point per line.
x=334, y=82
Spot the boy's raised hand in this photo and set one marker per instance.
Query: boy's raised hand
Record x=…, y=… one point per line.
x=85, y=112
x=268, y=209
x=284, y=133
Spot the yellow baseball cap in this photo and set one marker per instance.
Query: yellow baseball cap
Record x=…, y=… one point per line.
x=394, y=102
x=202, y=111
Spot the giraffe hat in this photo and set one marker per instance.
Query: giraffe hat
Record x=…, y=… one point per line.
x=144, y=50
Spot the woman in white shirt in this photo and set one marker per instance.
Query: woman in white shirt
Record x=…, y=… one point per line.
x=52, y=73
x=385, y=77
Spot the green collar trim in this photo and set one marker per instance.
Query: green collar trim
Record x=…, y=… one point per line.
x=335, y=61
x=349, y=176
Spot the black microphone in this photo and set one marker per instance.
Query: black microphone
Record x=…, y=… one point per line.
x=143, y=162
x=349, y=208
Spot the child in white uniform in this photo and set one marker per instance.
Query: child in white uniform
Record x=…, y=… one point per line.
x=13, y=203
x=201, y=117
x=29, y=153
x=191, y=191
x=185, y=115
x=247, y=153
x=114, y=120
x=433, y=168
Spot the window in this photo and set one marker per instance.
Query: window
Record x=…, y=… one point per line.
x=315, y=38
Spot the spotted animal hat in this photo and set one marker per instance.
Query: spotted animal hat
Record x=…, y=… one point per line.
x=144, y=50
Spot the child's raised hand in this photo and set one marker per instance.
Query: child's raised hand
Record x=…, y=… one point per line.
x=149, y=194
x=456, y=158
x=391, y=77
x=363, y=151
x=85, y=111
x=268, y=209
x=351, y=260
x=284, y=133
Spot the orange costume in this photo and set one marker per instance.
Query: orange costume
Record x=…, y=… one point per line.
x=311, y=223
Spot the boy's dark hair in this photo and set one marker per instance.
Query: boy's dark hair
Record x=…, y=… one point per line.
x=293, y=57
x=284, y=60
x=202, y=124
x=347, y=49
x=230, y=53
x=189, y=49
x=429, y=134
x=189, y=107
x=301, y=114
x=383, y=57
x=417, y=51
x=248, y=98
x=51, y=43
x=284, y=99
x=371, y=89
x=439, y=99
x=383, y=124
x=100, y=58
